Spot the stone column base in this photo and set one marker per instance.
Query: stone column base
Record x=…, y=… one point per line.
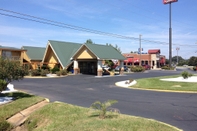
x=122, y=71
x=99, y=72
x=76, y=71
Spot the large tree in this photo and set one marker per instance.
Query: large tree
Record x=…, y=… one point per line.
x=10, y=71
x=89, y=41
x=192, y=61
x=174, y=59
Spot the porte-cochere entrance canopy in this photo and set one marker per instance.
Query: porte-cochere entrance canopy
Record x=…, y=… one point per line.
x=86, y=58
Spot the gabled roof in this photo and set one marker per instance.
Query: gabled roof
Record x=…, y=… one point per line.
x=34, y=53
x=154, y=51
x=64, y=51
x=105, y=52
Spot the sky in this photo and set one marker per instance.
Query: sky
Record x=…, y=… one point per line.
x=116, y=22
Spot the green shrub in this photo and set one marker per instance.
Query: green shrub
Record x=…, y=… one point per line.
x=64, y=72
x=137, y=68
x=45, y=67
x=3, y=85
x=55, y=69
x=5, y=126
x=194, y=68
x=44, y=72
x=11, y=70
x=102, y=107
x=186, y=74
x=166, y=67
x=58, y=73
x=61, y=72
x=35, y=72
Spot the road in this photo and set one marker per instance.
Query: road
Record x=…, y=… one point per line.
x=177, y=109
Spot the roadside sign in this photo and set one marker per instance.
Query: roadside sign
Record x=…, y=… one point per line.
x=169, y=1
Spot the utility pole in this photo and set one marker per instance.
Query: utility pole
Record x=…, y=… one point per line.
x=140, y=49
x=177, y=59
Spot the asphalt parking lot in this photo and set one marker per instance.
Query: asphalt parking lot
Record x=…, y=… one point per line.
x=177, y=109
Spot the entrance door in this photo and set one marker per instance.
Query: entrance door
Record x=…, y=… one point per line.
x=88, y=67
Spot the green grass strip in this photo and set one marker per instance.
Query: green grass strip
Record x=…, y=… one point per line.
x=21, y=102
x=66, y=117
x=156, y=83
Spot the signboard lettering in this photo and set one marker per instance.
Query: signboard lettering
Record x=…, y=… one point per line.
x=169, y=1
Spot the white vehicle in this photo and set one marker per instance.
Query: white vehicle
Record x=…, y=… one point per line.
x=106, y=67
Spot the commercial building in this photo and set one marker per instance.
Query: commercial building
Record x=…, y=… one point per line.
x=152, y=58
x=81, y=58
x=33, y=56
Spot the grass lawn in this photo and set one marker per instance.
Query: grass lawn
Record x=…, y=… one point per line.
x=156, y=83
x=66, y=117
x=22, y=101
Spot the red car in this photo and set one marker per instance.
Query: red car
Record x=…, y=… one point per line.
x=146, y=67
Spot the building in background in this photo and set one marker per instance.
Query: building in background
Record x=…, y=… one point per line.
x=81, y=58
x=152, y=58
x=33, y=56
x=12, y=53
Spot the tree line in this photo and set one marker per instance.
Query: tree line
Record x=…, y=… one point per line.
x=192, y=61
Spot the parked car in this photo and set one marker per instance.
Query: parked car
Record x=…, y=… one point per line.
x=118, y=68
x=147, y=67
x=106, y=67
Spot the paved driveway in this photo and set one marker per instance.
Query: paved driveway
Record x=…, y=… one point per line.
x=178, y=109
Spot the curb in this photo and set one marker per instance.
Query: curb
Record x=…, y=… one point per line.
x=157, y=90
x=19, y=118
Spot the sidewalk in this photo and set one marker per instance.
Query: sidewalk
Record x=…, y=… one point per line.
x=20, y=117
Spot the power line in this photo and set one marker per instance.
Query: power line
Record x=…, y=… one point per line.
x=73, y=27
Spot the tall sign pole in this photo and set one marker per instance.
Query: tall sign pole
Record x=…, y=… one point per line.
x=170, y=30
x=170, y=36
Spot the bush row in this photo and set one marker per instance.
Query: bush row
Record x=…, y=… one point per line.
x=166, y=67
x=137, y=68
x=44, y=72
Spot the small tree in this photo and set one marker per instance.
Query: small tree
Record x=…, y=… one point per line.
x=102, y=107
x=10, y=71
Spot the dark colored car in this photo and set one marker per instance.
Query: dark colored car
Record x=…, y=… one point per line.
x=118, y=68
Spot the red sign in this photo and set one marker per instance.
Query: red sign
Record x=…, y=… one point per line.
x=169, y=1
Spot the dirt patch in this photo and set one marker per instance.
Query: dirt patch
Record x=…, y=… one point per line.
x=176, y=86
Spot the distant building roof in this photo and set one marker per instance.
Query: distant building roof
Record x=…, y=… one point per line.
x=34, y=53
x=153, y=51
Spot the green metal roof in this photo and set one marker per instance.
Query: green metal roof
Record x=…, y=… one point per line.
x=64, y=51
x=7, y=47
x=105, y=52
x=34, y=53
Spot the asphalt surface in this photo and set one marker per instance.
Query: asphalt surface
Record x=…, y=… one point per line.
x=177, y=109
